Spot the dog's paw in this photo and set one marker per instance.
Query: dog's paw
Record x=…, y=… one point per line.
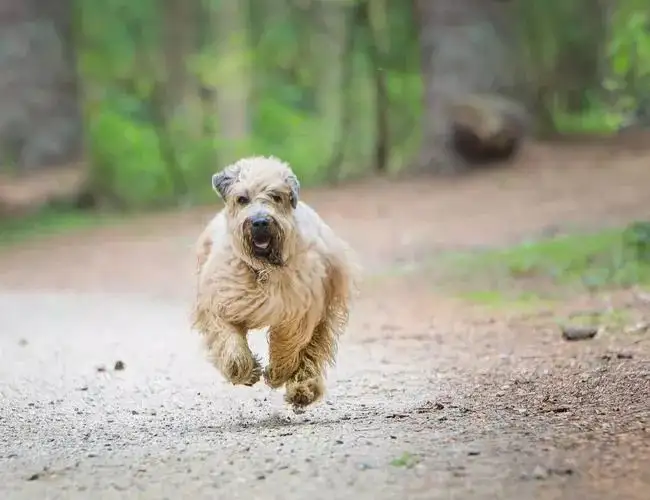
x=274, y=378
x=304, y=392
x=243, y=370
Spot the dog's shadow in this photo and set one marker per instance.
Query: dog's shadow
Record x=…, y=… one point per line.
x=281, y=422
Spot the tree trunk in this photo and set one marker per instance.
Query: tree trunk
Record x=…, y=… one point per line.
x=180, y=42
x=331, y=39
x=231, y=84
x=377, y=46
x=466, y=48
x=40, y=117
x=41, y=127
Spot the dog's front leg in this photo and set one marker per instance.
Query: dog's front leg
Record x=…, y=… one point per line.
x=228, y=349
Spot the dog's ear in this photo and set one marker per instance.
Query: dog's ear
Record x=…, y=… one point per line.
x=222, y=181
x=294, y=186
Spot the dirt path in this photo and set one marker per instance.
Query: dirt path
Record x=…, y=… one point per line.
x=430, y=399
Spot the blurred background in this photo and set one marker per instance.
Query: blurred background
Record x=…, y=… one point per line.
x=131, y=105
x=488, y=160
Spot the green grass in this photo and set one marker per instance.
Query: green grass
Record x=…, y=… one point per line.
x=594, y=121
x=497, y=299
x=615, y=319
x=536, y=270
x=406, y=460
x=48, y=223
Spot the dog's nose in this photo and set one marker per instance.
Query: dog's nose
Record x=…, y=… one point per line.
x=260, y=222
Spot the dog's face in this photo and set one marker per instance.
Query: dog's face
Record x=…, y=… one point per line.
x=260, y=195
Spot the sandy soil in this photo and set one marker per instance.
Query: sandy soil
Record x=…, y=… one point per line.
x=105, y=392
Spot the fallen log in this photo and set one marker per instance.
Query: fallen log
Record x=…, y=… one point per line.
x=487, y=127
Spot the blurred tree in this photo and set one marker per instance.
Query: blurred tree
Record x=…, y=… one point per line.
x=466, y=47
x=40, y=119
x=228, y=74
x=564, y=68
x=180, y=42
x=174, y=89
x=328, y=44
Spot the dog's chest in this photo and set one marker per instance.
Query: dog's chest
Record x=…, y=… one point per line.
x=282, y=296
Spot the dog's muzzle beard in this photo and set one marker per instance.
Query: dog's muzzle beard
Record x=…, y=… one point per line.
x=263, y=238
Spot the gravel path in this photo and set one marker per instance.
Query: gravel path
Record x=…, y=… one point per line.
x=105, y=392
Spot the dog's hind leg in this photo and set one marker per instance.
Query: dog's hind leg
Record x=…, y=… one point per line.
x=228, y=349
x=285, y=346
x=307, y=385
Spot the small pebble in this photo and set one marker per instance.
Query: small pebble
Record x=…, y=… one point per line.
x=119, y=365
x=540, y=473
x=572, y=333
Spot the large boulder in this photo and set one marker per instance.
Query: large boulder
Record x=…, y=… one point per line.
x=486, y=127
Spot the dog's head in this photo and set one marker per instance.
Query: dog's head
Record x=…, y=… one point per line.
x=260, y=194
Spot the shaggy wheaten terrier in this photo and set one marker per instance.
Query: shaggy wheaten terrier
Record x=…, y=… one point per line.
x=268, y=260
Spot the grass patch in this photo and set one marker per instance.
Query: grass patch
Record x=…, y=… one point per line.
x=593, y=121
x=538, y=269
x=406, y=460
x=48, y=223
x=496, y=299
x=615, y=319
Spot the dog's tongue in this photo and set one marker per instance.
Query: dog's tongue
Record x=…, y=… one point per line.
x=263, y=244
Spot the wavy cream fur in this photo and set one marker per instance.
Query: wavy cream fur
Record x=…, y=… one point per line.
x=304, y=302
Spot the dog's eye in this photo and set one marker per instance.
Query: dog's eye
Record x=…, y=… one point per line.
x=242, y=200
x=276, y=198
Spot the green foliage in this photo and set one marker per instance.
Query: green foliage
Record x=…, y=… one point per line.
x=320, y=77
x=629, y=51
x=153, y=126
x=596, y=119
x=587, y=63
x=127, y=157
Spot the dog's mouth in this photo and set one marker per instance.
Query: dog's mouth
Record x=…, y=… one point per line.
x=264, y=238
x=261, y=242
x=264, y=244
